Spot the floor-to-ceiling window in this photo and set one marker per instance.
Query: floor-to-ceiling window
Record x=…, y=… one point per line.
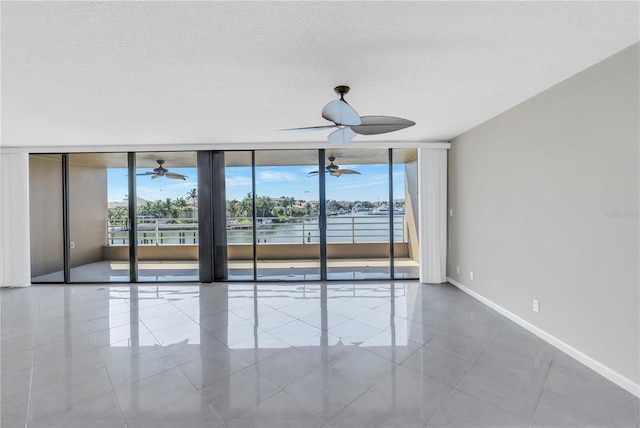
x=239, y=202
x=287, y=228
x=357, y=195
x=167, y=216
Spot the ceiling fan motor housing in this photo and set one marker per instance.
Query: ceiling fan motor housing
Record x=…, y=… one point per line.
x=342, y=90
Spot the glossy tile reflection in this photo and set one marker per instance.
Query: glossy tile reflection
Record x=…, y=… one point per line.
x=393, y=354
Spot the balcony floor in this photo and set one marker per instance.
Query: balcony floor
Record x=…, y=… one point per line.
x=268, y=270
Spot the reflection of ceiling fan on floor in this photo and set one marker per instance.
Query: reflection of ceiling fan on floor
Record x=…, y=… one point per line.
x=349, y=123
x=161, y=171
x=334, y=169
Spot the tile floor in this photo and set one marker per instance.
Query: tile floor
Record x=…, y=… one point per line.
x=352, y=354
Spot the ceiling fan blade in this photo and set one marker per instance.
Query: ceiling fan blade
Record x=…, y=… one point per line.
x=372, y=125
x=155, y=176
x=310, y=128
x=313, y=172
x=349, y=171
x=175, y=176
x=335, y=173
x=147, y=173
x=341, y=136
x=341, y=113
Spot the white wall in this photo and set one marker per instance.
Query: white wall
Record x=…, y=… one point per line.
x=545, y=199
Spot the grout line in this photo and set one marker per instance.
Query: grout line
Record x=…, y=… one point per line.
x=115, y=397
x=441, y=406
x=33, y=361
x=542, y=389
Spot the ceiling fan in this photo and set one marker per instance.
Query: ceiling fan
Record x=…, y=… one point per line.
x=334, y=169
x=348, y=123
x=161, y=171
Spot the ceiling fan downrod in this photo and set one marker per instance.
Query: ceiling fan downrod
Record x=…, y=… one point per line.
x=342, y=91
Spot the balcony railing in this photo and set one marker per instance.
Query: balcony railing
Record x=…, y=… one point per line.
x=270, y=230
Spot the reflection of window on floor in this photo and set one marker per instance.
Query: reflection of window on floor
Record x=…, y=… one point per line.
x=157, y=306
x=370, y=301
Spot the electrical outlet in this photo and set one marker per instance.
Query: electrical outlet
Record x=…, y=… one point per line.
x=457, y=269
x=72, y=244
x=471, y=275
x=451, y=212
x=536, y=306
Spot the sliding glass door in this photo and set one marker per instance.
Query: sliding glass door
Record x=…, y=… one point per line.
x=287, y=228
x=167, y=216
x=357, y=198
x=239, y=207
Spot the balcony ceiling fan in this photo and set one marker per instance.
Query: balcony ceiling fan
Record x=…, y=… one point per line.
x=347, y=123
x=334, y=169
x=161, y=171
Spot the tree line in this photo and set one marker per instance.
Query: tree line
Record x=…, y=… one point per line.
x=169, y=208
x=185, y=207
x=267, y=207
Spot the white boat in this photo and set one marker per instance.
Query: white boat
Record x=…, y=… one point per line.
x=384, y=210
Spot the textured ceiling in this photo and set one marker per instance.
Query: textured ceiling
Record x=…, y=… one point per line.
x=138, y=73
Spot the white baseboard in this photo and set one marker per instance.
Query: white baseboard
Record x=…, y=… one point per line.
x=612, y=375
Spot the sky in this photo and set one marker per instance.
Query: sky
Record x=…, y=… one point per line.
x=274, y=181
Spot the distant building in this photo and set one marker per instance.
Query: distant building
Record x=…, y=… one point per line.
x=125, y=204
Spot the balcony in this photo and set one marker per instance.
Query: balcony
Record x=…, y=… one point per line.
x=277, y=238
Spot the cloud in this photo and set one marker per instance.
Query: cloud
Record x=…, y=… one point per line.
x=238, y=181
x=367, y=184
x=270, y=176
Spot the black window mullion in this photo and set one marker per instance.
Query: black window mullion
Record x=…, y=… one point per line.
x=133, y=216
x=391, y=225
x=205, y=224
x=322, y=215
x=253, y=215
x=66, y=233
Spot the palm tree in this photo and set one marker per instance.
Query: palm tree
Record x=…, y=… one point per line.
x=147, y=208
x=158, y=208
x=192, y=195
x=181, y=206
x=247, y=205
x=235, y=208
x=168, y=208
x=264, y=206
x=118, y=213
x=288, y=202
